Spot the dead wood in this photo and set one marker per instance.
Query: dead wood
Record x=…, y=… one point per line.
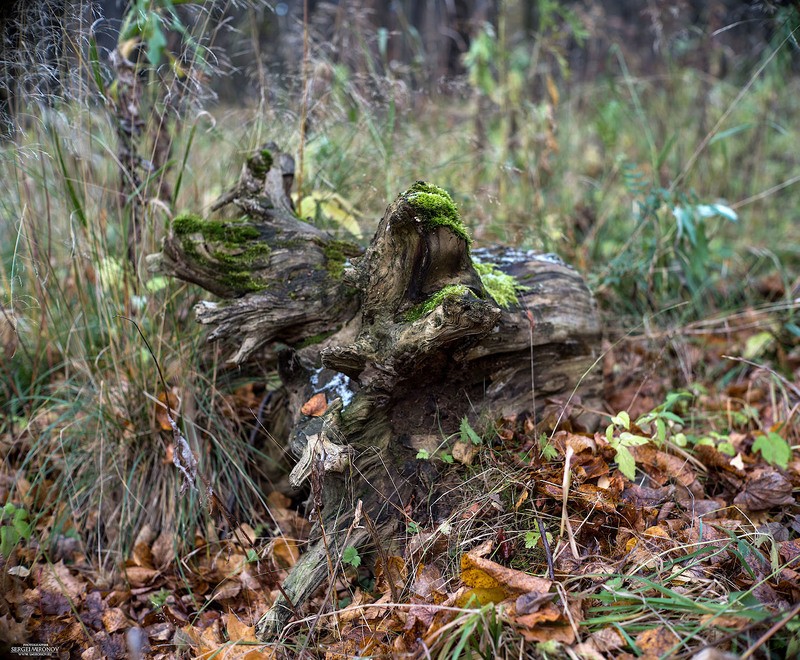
x=404, y=338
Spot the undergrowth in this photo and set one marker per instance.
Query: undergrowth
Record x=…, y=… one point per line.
x=673, y=193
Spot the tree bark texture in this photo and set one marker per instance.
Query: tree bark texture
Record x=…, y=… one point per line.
x=403, y=339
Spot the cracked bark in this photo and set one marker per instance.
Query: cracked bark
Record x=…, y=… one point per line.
x=394, y=372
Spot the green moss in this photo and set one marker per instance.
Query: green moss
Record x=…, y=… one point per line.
x=436, y=208
x=500, y=286
x=315, y=339
x=336, y=253
x=234, y=247
x=187, y=223
x=260, y=164
x=450, y=291
x=229, y=233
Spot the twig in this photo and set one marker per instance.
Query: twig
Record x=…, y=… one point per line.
x=565, y=523
x=548, y=553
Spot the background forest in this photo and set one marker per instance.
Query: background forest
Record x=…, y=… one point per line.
x=652, y=145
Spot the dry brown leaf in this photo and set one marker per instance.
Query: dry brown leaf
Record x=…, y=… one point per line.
x=285, y=551
x=163, y=549
x=465, y=452
x=139, y=576
x=477, y=571
x=663, y=466
x=607, y=639
x=655, y=642
x=58, y=579
x=354, y=610
x=114, y=619
x=595, y=497
x=161, y=408
x=228, y=589
x=238, y=631
x=765, y=488
x=315, y=406
x=395, y=573
x=142, y=555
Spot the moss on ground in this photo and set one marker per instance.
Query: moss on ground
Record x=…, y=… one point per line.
x=500, y=286
x=436, y=208
x=427, y=306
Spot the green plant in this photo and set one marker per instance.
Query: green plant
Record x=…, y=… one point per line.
x=14, y=527
x=351, y=557
x=620, y=438
x=159, y=598
x=468, y=433
x=773, y=448
x=671, y=248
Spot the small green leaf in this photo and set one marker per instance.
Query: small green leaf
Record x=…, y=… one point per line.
x=610, y=434
x=252, y=555
x=447, y=458
x=532, y=539
x=774, y=449
x=626, y=462
x=423, y=454
x=631, y=440
x=8, y=540
x=350, y=556
x=622, y=419
x=661, y=430
x=468, y=433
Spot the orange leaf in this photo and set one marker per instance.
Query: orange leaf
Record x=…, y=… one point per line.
x=285, y=552
x=238, y=631
x=315, y=406
x=161, y=411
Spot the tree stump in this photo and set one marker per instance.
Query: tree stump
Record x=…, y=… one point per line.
x=404, y=340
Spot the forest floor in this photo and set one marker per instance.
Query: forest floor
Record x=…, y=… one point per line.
x=550, y=550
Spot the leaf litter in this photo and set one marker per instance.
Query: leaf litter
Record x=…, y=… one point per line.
x=699, y=550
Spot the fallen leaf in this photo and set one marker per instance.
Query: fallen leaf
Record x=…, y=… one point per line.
x=114, y=619
x=477, y=571
x=285, y=552
x=480, y=596
x=765, y=488
x=237, y=630
x=57, y=578
x=395, y=573
x=228, y=589
x=142, y=555
x=655, y=642
x=139, y=576
x=315, y=406
x=465, y=452
x=532, y=602
x=163, y=549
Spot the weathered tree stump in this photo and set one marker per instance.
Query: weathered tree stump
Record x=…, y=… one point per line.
x=404, y=338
